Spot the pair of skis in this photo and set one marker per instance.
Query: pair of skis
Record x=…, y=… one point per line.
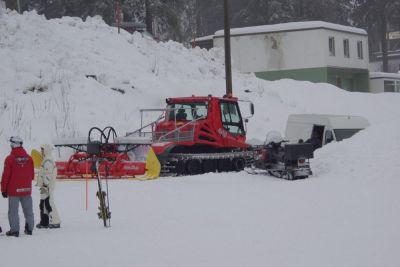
x=103, y=196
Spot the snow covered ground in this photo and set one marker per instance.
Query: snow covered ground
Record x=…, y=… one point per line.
x=221, y=220
x=347, y=214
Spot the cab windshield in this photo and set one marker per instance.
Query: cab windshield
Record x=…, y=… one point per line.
x=187, y=111
x=231, y=118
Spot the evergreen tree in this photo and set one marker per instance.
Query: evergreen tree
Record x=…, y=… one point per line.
x=335, y=11
x=377, y=15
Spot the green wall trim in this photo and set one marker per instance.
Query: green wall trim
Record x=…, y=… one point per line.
x=356, y=80
x=311, y=74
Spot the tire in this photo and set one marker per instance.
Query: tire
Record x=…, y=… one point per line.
x=209, y=165
x=180, y=167
x=238, y=164
x=193, y=167
x=224, y=165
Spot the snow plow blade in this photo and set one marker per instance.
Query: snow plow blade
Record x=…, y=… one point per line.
x=37, y=158
x=122, y=158
x=153, y=167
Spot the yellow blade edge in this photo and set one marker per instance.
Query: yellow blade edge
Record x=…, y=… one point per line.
x=153, y=167
x=37, y=158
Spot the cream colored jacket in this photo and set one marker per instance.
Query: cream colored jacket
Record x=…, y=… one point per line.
x=47, y=173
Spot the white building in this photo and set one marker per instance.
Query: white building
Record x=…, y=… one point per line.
x=314, y=51
x=384, y=82
x=2, y=4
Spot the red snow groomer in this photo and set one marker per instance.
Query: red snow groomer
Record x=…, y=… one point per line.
x=192, y=135
x=199, y=134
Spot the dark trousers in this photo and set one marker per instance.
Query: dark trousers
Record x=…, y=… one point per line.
x=45, y=210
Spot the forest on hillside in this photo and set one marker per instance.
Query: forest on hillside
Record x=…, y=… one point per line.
x=182, y=20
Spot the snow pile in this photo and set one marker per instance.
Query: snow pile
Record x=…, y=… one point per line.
x=371, y=154
x=60, y=77
x=45, y=65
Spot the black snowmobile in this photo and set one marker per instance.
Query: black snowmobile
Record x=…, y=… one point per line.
x=288, y=161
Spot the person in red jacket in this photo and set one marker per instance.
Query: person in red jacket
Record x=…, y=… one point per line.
x=16, y=185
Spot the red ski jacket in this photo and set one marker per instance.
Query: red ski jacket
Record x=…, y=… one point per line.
x=18, y=173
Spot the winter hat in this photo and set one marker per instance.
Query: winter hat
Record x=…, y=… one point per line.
x=16, y=141
x=47, y=149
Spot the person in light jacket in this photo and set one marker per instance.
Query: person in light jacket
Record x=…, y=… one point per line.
x=46, y=181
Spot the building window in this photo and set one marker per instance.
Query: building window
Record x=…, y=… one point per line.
x=360, y=50
x=346, y=48
x=389, y=86
x=332, y=46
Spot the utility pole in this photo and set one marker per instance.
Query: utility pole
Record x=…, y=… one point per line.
x=227, y=41
x=384, y=39
x=118, y=15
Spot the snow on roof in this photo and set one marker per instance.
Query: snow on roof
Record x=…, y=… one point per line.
x=203, y=38
x=382, y=75
x=322, y=115
x=292, y=26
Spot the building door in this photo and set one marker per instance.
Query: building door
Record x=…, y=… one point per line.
x=348, y=84
x=339, y=81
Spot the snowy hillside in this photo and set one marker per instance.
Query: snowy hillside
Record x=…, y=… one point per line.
x=347, y=214
x=44, y=84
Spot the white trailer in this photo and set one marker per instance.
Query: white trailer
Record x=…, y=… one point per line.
x=327, y=128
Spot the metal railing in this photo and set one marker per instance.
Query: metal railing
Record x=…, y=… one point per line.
x=140, y=132
x=180, y=133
